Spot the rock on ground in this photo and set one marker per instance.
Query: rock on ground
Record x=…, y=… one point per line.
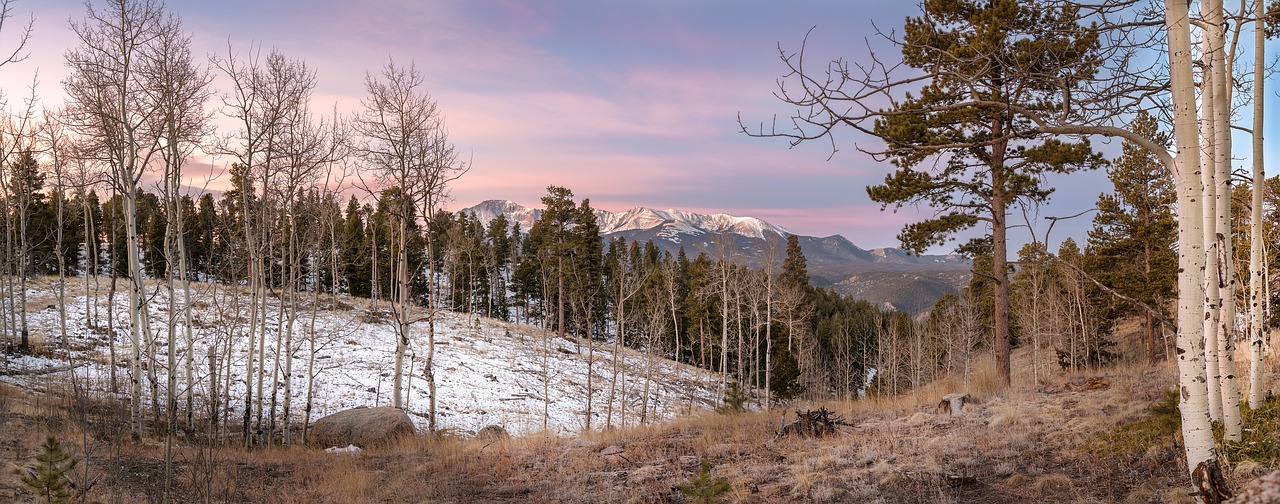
x=363, y=427
x=1264, y=490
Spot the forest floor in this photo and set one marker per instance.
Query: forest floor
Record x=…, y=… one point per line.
x=1092, y=436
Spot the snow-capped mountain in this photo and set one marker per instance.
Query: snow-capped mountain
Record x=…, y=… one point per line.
x=834, y=261
x=490, y=209
x=669, y=225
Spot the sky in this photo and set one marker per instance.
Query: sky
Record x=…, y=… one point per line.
x=625, y=103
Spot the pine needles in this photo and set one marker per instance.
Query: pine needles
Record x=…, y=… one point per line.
x=49, y=477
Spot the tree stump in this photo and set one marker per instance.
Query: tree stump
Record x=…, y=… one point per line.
x=813, y=423
x=953, y=402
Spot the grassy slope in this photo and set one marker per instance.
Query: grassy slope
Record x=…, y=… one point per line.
x=1027, y=444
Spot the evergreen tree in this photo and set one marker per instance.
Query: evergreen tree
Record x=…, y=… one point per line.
x=93, y=240
x=980, y=56
x=795, y=268
x=696, y=310
x=547, y=247
x=1134, y=232
x=202, y=226
x=49, y=478
x=152, y=222
x=1090, y=330
x=354, y=251
x=794, y=352
x=586, y=269
x=498, y=258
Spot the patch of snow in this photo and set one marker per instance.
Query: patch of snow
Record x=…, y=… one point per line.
x=487, y=372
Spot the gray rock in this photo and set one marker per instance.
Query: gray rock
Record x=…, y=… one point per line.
x=1264, y=490
x=363, y=427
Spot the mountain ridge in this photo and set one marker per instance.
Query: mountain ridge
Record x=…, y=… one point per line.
x=906, y=282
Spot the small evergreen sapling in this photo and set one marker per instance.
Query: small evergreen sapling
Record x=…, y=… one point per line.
x=734, y=399
x=49, y=476
x=704, y=488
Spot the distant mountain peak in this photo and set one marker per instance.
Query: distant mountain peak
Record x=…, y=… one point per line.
x=882, y=275
x=667, y=224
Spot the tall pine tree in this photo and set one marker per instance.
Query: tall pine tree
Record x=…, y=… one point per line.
x=1134, y=232
x=959, y=148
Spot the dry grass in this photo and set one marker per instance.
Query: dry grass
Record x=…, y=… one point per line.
x=1019, y=444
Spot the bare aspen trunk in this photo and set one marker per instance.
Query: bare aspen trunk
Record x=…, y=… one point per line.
x=111, y=299
x=188, y=328
x=171, y=326
x=1229, y=392
x=311, y=361
x=402, y=298
x=429, y=367
x=295, y=266
x=617, y=349
x=255, y=298
x=212, y=360
x=724, y=314
x=139, y=331
x=91, y=263
x=1193, y=391
x=591, y=361
x=1208, y=177
x=24, y=250
x=1257, y=326
x=62, y=262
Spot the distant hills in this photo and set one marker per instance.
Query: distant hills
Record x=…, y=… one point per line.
x=887, y=277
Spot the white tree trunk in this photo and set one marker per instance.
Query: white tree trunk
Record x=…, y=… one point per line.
x=1257, y=325
x=140, y=328
x=1193, y=392
x=1221, y=68
x=1209, y=222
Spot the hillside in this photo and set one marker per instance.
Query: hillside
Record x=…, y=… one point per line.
x=915, y=284
x=488, y=372
x=1061, y=438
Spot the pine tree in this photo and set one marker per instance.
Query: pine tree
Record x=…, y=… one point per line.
x=1134, y=232
x=704, y=488
x=354, y=252
x=49, y=476
x=979, y=55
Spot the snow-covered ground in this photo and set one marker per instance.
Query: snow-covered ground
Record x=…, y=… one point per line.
x=488, y=372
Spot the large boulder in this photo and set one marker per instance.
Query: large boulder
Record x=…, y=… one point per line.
x=363, y=427
x=1264, y=490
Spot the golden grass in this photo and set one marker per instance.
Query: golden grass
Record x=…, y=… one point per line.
x=1021, y=443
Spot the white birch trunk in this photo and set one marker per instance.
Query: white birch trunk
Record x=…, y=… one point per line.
x=1257, y=326
x=1209, y=222
x=1221, y=68
x=1193, y=405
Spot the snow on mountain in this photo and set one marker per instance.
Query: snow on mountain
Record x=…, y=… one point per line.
x=669, y=224
x=834, y=261
x=488, y=372
x=488, y=210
